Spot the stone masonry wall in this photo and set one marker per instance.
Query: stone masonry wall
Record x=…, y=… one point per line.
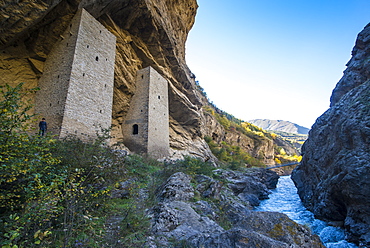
x=54, y=82
x=90, y=96
x=158, y=117
x=149, y=111
x=138, y=115
x=77, y=85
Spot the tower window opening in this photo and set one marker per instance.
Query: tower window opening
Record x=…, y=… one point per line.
x=159, y=97
x=97, y=58
x=135, y=129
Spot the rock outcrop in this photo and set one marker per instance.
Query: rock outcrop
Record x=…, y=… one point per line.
x=262, y=148
x=217, y=213
x=149, y=33
x=333, y=179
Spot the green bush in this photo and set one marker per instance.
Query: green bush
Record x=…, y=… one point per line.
x=57, y=193
x=233, y=157
x=28, y=173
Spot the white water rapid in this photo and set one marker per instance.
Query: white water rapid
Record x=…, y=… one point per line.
x=284, y=199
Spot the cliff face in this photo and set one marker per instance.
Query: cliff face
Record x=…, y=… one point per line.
x=333, y=179
x=149, y=33
x=259, y=148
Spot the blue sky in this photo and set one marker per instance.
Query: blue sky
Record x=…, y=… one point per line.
x=273, y=59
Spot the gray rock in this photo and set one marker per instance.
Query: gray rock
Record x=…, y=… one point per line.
x=177, y=188
x=208, y=187
x=333, y=179
x=237, y=238
x=250, y=187
x=222, y=220
x=123, y=191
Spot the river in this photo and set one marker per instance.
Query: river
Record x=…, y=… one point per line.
x=284, y=199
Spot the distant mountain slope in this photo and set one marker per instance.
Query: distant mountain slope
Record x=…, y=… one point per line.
x=279, y=125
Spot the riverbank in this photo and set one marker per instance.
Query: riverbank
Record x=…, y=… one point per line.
x=284, y=199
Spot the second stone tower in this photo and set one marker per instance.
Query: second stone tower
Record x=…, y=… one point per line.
x=146, y=129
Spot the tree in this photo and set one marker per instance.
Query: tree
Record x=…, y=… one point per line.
x=28, y=170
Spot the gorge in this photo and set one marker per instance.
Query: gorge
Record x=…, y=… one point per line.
x=284, y=199
x=204, y=210
x=333, y=178
x=147, y=34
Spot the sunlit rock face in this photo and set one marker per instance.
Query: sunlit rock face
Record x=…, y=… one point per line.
x=149, y=33
x=333, y=179
x=262, y=148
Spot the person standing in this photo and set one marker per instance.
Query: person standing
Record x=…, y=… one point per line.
x=43, y=127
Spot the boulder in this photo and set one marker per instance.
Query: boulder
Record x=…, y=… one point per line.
x=220, y=219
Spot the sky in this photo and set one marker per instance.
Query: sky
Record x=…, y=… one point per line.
x=273, y=59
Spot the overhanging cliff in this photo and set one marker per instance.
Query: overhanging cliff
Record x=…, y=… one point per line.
x=148, y=33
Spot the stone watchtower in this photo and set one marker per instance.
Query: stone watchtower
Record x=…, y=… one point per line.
x=146, y=129
x=76, y=88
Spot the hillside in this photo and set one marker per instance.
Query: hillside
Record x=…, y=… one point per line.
x=295, y=140
x=280, y=125
x=71, y=192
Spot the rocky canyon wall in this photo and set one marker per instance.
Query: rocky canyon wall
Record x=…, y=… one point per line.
x=333, y=179
x=148, y=33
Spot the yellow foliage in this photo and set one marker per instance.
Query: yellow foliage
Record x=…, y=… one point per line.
x=277, y=161
x=282, y=151
x=259, y=133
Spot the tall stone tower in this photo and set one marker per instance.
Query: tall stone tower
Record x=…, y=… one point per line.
x=146, y=129
x=76, y=88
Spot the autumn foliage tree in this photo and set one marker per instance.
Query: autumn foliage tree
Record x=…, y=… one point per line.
x=27, y=166
x=25, y=160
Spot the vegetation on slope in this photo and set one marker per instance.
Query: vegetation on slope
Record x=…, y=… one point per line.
x=235, y=155
x=69, y=193
x=296, y=140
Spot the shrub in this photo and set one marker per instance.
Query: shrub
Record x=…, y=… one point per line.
x=28, y=171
